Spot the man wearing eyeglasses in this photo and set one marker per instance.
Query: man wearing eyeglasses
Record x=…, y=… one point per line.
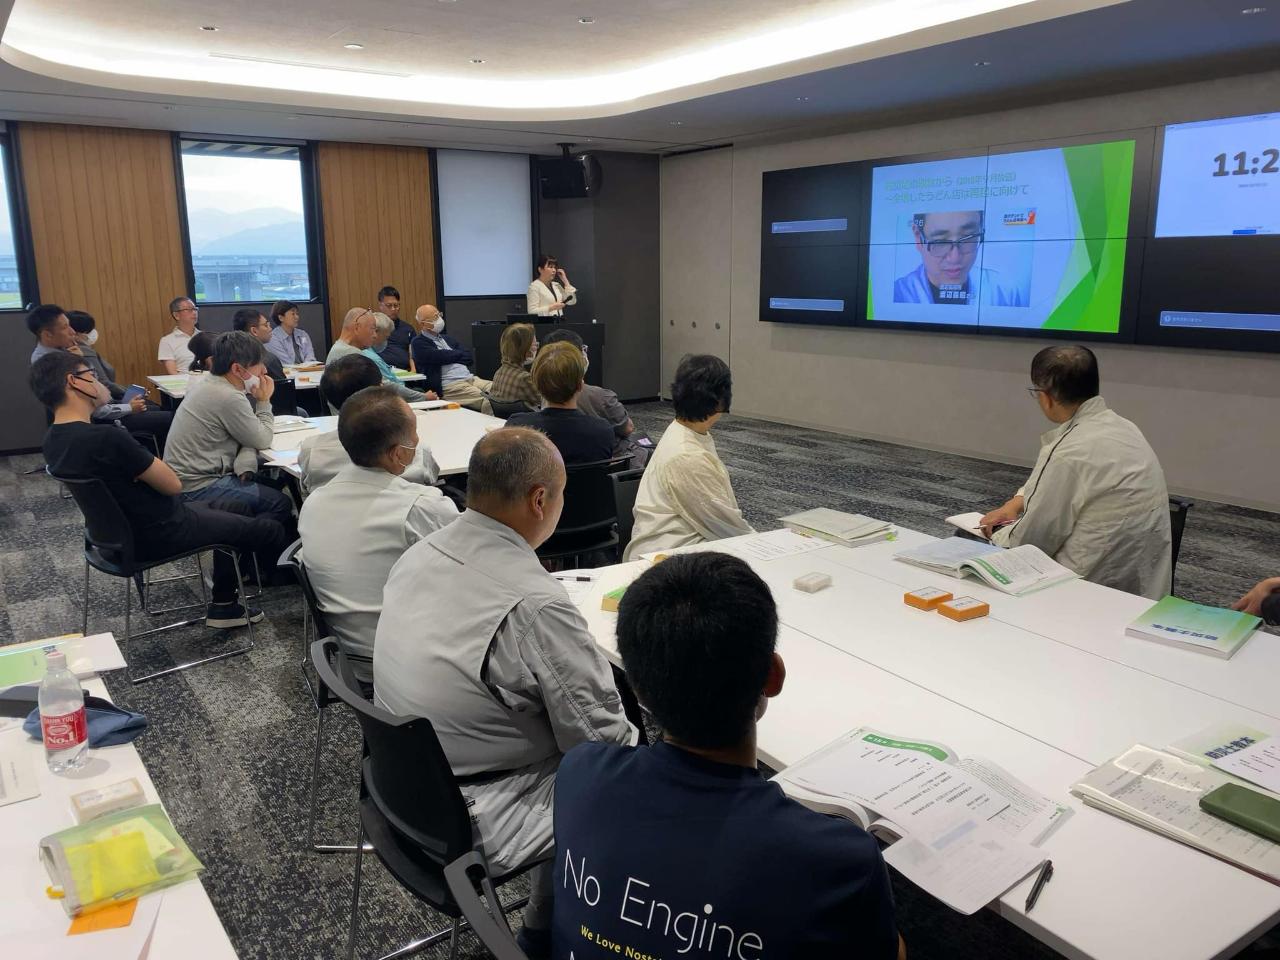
x=949, y=243
x=174, y=355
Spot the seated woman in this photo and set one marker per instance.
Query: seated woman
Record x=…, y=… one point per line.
x=201, y=347
x=513, y=383
x=685, y=495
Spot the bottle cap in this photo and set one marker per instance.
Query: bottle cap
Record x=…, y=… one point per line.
x=55, y=660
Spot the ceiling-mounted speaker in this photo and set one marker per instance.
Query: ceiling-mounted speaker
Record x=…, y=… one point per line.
x=566, y=177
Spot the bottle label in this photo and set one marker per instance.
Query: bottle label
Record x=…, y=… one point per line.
x=67, y=730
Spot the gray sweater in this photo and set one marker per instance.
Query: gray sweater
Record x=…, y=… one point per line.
x=216, y=432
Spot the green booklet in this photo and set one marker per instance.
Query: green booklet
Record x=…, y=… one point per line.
x=1213, y=630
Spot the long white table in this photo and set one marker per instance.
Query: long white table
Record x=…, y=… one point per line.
x=174, y=385
x=186, y=927
x=1048, y=687
x=450, y=433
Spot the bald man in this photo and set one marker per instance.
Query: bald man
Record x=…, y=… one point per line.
x=513, y=679
x=359, y=332
x=446, y=363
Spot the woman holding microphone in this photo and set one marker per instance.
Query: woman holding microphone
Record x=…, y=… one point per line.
x=550, y=292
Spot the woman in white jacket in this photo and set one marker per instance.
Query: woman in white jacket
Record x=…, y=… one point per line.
x=550, y=291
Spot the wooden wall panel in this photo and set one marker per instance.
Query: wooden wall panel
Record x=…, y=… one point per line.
x=376, y=205
x=104, y=222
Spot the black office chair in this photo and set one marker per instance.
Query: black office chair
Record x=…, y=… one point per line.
x=626, y=484
x=411, y=809
x=284, y=400
x=108, y=548
x=1179, y=507
x=590, y=515
x=505, y=408
x=468, y=878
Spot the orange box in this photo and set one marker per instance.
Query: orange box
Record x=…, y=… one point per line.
x=963, y=608
x=926, y=598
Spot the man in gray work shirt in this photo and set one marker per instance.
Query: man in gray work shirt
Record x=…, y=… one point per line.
x=217, y=433
x=511, y=678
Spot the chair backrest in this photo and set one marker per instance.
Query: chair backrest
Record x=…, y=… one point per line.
x=105, y=525
x=406, y=773
x=292, y=557
x=1178, y=508
x=488, y=922
x=284, y=401
x=505, y=408
x=588, y=497
x=626, y=484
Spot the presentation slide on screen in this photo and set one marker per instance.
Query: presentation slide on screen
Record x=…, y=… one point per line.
x=1018, y=240
x=1220, y=178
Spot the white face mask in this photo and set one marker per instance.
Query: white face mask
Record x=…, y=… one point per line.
x=438, y=327
x=91, y=337
x=251, y=383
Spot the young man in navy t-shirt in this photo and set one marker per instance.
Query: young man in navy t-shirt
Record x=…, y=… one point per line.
x=682, y=848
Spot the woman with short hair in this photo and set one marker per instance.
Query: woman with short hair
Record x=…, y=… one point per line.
x=513, y=382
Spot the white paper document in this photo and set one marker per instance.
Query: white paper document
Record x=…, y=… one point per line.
x=969, y=523
x=775, y=545
x=1258, y=763
x=966, y=864
x=428, y=404
x=18, y=779
x=283, y=458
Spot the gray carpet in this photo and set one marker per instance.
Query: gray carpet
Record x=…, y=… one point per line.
x=230, y=742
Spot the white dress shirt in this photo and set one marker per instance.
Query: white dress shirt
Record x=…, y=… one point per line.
x=321, y=456
x=540, y=297
x=353, y=530
x=174, y=346
x=685, y=495
x=1097, y=503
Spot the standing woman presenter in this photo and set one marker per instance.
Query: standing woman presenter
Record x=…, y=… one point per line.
x=550, y=291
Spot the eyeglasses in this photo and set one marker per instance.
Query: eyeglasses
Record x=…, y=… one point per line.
x=188, y=310
x=1035, y=391
x=941, y=248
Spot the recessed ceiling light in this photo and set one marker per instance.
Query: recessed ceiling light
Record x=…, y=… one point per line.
x=353, y=46
x=677, y=123
x=1250, y=11
x=982, y=63
x=209, y=29
x=802, y=99
x=477, y=60
x=586, y=20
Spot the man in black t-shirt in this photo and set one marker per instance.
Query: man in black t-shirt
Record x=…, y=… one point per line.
x=558, y=373
x=145, y=487
x=682, y=848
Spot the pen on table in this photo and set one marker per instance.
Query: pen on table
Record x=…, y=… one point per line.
x=1046, y=872
x=574, y=579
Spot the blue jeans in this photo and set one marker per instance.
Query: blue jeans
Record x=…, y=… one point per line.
x=262, y=501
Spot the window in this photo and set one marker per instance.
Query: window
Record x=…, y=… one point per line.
x=12, y=296
x=247, y=221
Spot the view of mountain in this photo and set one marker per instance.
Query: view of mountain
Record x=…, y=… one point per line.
x=263, y=230
x=274, y=239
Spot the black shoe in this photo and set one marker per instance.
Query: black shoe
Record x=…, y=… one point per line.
x=224, y=616
x=536, y=944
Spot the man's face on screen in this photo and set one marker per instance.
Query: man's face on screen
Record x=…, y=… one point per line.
x=948, y=244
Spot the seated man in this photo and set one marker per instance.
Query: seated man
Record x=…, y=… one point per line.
x=213, y=446
x=604, y=403
x=444, y=362
x=322, y=455
x=689, y=820
x=174, y=355
x=477, y=637
x=1262, y=601
x=369, y=496
x=395, y=349
x=289, y=342
x=254, y=323
x=557, y=375
x=359, y=330
x=55, y=330
x=685, y=495
x=145, y=487
x=1096, y=500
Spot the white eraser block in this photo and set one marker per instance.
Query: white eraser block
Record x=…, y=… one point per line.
x=812, y=582
x=92, y=804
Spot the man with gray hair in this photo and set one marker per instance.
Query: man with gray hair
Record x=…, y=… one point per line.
x=361, y=330
x=215, y=438
x=515, y=679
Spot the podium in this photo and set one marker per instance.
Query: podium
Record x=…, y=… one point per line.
x=485, y=336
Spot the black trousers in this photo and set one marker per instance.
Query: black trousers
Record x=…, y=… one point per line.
x=204, y=524
x=153, y=421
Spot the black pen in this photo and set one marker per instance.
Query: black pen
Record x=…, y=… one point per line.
x=575, y=579
x=1046, y=872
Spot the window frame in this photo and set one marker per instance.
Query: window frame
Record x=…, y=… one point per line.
x=19, y=218
x=311, y=223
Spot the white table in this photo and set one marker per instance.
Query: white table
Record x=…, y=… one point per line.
x=449, y=432
x=174, y=385
x=1047, y=687
x=186, y=928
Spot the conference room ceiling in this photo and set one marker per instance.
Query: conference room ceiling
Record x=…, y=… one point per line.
x=945, y=70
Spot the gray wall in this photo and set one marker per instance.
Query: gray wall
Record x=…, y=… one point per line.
x=459, y=314
x=217, y=317
x=1210, y=415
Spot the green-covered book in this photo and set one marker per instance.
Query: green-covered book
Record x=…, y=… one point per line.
x=1213, y=630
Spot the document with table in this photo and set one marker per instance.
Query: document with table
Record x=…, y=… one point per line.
x=1016, y=571
x=966, y=830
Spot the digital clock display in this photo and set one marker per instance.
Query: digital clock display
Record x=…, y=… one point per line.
x=1220, y=178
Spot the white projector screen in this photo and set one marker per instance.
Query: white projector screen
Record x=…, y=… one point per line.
x=485, y=223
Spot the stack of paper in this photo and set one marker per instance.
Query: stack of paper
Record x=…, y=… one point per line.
x=847, y=529
x=1021, y=570
x=1194, y=626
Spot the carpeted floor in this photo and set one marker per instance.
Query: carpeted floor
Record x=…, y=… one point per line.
x=230, y=743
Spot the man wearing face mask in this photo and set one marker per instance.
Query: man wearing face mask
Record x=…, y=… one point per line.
x=76, y=332
x=444, y=362
x=379, y=433
x=215, y=439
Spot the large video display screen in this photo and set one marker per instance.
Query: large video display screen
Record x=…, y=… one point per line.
x=1029, y=240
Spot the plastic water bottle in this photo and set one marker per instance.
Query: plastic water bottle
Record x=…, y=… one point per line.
x=62, y=720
